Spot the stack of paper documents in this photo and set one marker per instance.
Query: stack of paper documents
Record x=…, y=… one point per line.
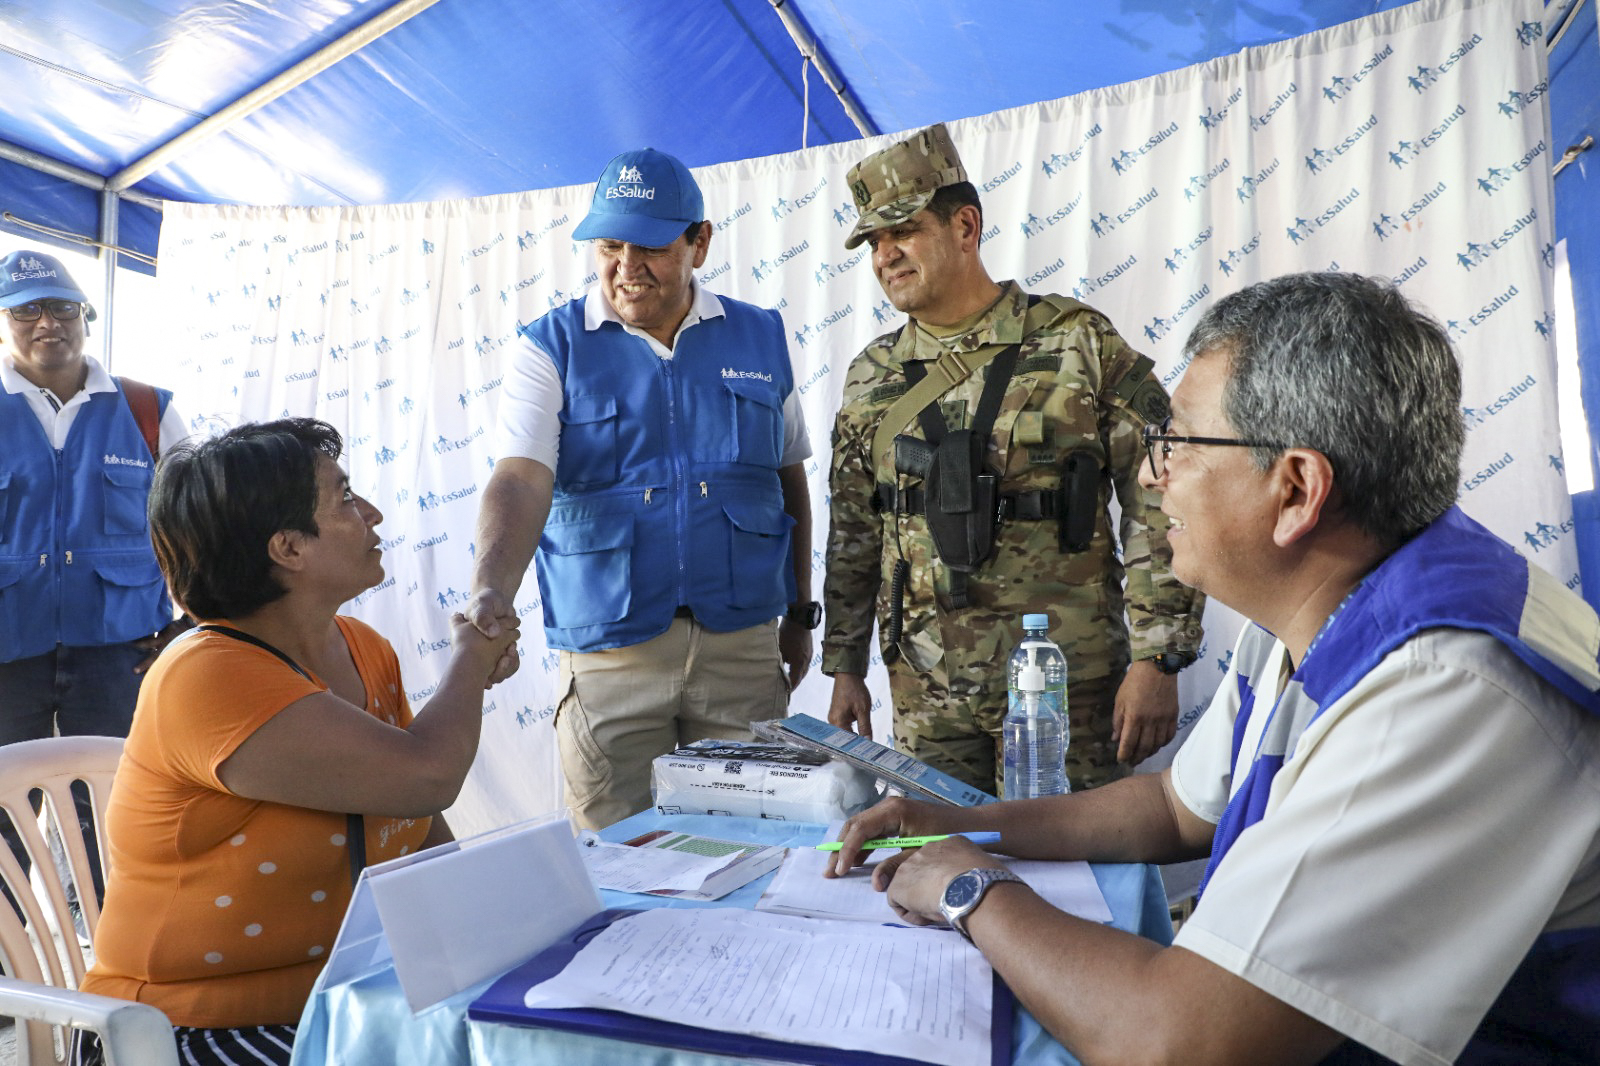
x=799, y=888
x=667, y=863
x=767, y=986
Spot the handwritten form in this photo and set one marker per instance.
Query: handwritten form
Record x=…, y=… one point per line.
x=800, y=888
x=917, y=993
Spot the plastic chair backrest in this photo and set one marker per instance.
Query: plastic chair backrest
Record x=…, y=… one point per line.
x=42, y=946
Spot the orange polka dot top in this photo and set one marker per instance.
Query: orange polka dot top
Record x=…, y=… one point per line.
x=221, y=910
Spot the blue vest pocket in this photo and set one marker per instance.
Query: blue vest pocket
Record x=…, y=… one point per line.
x=588, y=456
x=133, y=593
x=758, y=422
x=11, y=610
x=126, y=489
x=739, y=422
x=758, y=553
x=585, y=567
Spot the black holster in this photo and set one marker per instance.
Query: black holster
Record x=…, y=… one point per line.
x=961, y=494
x=1080, y=502
x=961, y=500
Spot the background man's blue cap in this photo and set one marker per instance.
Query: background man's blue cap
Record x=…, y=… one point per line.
x=644, y=197
x=27, y=276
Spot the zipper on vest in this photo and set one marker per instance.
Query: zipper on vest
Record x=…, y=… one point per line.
x=681, y=503
x=703, y=492
x=44, y=559
x=69, y=558
x=647, y=493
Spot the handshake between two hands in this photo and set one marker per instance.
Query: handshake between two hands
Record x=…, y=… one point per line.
x=488, y=623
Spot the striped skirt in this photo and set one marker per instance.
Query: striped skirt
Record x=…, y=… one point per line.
x=256, y=1045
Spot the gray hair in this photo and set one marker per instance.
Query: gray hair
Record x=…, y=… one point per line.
x=1345, y=365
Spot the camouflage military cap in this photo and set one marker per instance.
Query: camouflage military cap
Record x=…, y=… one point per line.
x=892, y=185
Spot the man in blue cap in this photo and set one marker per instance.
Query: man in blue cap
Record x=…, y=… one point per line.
x=651, y=446
x=83, y=610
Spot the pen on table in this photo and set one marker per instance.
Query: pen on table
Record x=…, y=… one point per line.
x=914, y=842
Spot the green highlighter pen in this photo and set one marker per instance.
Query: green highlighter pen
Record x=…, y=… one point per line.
x=914, y=842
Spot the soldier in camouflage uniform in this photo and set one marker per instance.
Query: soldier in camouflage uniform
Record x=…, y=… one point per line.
x=1077, y=387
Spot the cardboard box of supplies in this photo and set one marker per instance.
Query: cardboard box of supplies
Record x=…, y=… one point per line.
x=758, y=781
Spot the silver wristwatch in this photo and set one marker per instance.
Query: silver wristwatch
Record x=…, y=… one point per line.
x=965, y=891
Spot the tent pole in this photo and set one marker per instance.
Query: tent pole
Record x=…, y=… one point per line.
x=67, y=172
x=269, y=91
x=108, y=236
x=807, y=44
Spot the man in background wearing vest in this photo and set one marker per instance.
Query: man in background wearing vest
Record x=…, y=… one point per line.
x=1064, y=413
x=1398, y=780
x=651, y=445
x=83, y=609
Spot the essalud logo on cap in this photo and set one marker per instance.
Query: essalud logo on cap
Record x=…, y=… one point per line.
x=32, y=267
x=628, y=185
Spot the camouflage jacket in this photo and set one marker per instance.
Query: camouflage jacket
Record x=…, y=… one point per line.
x=1071, y=391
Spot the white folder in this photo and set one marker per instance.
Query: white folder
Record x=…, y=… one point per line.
x=452, y=916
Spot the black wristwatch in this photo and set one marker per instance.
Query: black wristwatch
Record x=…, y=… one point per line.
x=965, y=891
x=808, y=614
x=1171, y=662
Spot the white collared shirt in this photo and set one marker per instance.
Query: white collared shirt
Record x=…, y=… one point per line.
x=530, y=407
x=56, y=417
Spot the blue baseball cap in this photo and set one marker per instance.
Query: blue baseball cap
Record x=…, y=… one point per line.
x=644, y=197
x=27, y=276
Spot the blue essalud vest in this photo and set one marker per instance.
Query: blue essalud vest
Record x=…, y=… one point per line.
x=666, y=487
x=1453, y=574
x=76, y=566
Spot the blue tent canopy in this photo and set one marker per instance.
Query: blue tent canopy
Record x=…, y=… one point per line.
x=372, y=101
x=115, y=105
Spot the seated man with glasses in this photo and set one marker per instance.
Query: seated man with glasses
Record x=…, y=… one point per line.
x=83, y=610
x=1398, y=781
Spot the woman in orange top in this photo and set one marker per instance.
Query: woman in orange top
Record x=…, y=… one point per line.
x=257, y=738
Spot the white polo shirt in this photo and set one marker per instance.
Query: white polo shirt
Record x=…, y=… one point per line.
x=57, y=417
x=1425, y=829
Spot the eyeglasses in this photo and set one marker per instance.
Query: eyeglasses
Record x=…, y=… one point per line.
x=60, y=310
x=1154, y=435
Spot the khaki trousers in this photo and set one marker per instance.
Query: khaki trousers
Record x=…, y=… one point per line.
x=619, y=709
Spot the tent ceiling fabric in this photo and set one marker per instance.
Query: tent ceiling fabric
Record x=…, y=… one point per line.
x=911, y=64
x=478, y=97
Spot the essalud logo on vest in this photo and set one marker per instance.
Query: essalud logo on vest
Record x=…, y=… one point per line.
x=630, y=186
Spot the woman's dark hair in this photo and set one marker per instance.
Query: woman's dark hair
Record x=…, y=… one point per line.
x=215, y=505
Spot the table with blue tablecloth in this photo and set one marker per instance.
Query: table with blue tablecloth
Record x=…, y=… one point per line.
x=366, y=1021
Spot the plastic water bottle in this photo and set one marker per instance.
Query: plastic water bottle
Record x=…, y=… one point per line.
x=1036, y=734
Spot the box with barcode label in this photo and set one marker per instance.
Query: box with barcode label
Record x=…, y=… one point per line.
x=758, y=781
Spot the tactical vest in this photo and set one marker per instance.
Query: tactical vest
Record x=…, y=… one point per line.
x=76, y=566
x=1453, y=574
x=666, y=487
x=944, y=476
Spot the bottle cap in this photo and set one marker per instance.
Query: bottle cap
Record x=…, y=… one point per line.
x=1035, y=621
x=1030, y=679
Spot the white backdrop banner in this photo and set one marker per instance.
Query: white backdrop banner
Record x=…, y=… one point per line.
x=1412, y=144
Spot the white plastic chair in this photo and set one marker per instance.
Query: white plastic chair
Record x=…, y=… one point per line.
x=132, y=1034
x=41, y=953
